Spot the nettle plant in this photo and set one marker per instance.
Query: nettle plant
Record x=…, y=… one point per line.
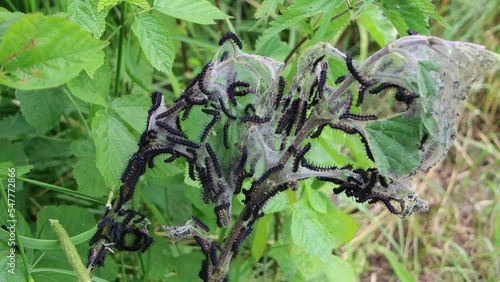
x=246, y=135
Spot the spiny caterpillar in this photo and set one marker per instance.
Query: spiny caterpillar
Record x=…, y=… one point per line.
x=354, y=71
x=233, y=37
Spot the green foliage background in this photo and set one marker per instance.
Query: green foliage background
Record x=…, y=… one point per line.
x=75, y=81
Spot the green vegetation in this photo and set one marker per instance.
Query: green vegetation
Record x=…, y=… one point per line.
x=76, y=78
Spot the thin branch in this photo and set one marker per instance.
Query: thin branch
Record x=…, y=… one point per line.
x=303, y=40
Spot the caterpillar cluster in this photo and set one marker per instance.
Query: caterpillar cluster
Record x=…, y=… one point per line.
x=123, y=235
x=225, y=153
x=402, y=95
x=362, y=191
x=209, y=249
x=250, y=193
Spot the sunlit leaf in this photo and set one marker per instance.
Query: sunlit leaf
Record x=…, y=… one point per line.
x=95, y=61
x=7, y=18
x=133, y=110
x=315, y=200
x=107, y=4
x=295, y=13
x=141, y=3
x=114, y=145
x=40, y=52
x=308, y=232
x=92, y=90
x=261, y=235
x=376, y=24
x=196, y=11
x=85, y=14
x=394, y=144
x=155, y=41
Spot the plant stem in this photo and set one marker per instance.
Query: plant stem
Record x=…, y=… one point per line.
x=120, y=47
x=219, y=271
x=61, y=190
x=70, y=97
x=123, y=267
x=69, y=249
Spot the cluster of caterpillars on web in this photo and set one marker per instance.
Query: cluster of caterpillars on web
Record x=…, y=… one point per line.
x=242, y=129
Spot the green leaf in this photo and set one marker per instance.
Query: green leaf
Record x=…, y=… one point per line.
x=241, y=270
x=141, y=3
x=133, y=109
x=275, y=48
x=95, y=61
x=40, y=52
x=66, y=216
x=400, y=270
x=323, y=26
x=267, y=8
x=20, y=170
x=85, y=13
x=414, y=18
x=196, y=11
x=337, y=269
x=160, y=262
x=89, y=179
x=111, y=3
x=315, y=200
x=185, y=264
x=47, y=152
x=261, y=234
x=376, y=24
x=171, y=201
x=155, y=41
x=341, y=226
x=137, y=66
x=427, y=7
x=41, y=108
x=394, y=143
x=94, y=90
x=314, y=269
x=43, y=244
x=309, y=267
x=277, y=203
x=300, y=10
x=396, y=19
x=264, y=11
x=7, y=19
x=114, y=145
x=308, y=233
x=14, y=125
x=404, y=15
x=19, y=275
x=13, y=153
x=107, y=3
x=281, y=254
x=317, y=233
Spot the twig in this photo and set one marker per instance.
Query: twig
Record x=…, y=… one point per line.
x=303, y=40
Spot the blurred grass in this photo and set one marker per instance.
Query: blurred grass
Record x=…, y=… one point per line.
x=459, y=238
